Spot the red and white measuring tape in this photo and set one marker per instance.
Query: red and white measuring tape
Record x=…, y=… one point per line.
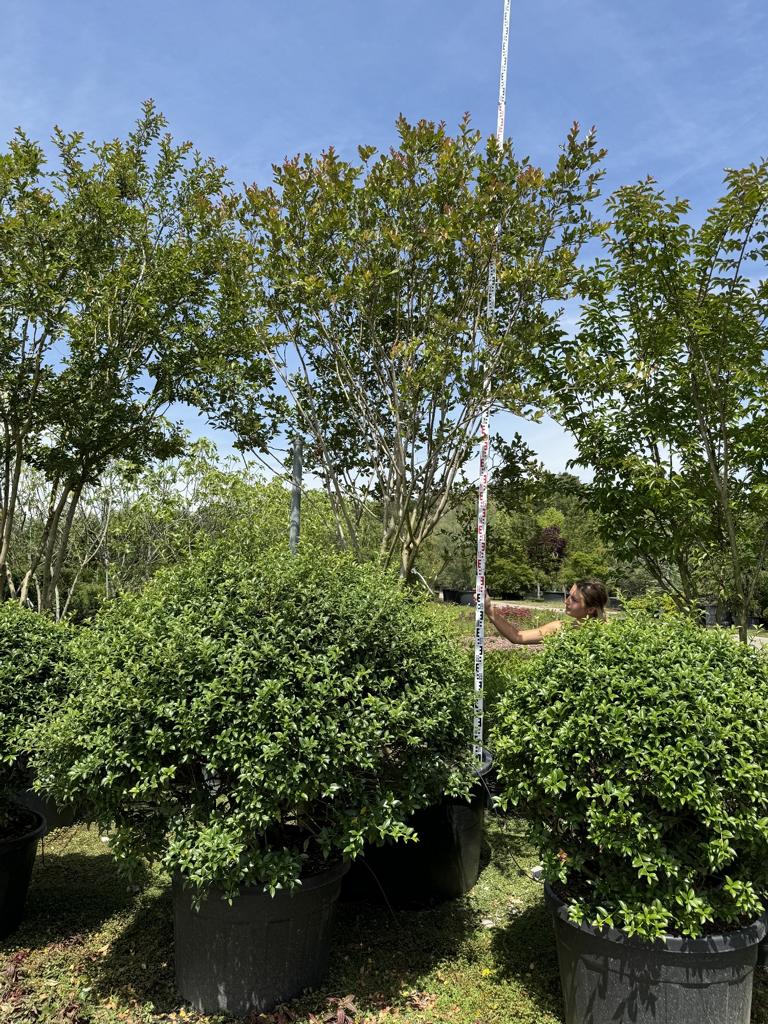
x=482, y=506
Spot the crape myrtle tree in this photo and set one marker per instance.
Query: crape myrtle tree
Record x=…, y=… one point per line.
x=85, y=538
x=665, y=387
x=374, y=277
x=123, y=289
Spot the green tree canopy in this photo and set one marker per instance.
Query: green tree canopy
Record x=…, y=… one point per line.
x=123, y=288
x=374, y=278
x=665, y=386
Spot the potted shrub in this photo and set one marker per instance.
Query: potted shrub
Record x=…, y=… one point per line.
x=442, y=864
x=638, y=751
x=30, y=648
x=250, y=722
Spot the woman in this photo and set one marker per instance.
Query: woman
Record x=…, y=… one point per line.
x=586, y=600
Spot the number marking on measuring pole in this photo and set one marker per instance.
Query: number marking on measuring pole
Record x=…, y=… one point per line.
x=485, y=440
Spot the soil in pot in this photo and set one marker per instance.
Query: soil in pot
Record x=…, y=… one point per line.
x=609, y=978
x=442, y=865
x=258, y=952
x=18, y=847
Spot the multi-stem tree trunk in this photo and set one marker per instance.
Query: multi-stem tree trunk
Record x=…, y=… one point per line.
x=372, y=277
x=43, y=572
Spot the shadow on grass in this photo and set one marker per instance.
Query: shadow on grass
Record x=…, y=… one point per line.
x=524, y=947
x=374, y=955
x=524, y=951
x=760, y=997
x=138, y=965
x=125, y=938
x=377, y=955
x=511, y=848
x=70, y=894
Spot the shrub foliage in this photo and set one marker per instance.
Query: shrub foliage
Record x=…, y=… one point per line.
x=31, y=647
x=639, y=753
x=240, y=719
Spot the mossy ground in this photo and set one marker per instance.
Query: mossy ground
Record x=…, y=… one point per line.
x=92, y=952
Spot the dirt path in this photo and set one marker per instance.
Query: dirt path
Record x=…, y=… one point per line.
x=544, y=607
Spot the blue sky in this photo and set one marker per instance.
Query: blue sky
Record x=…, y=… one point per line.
x=676, y=90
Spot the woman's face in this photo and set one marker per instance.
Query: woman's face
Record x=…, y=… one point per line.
x=574, y=604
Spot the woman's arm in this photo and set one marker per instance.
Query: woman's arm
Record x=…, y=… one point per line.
x=521, y=636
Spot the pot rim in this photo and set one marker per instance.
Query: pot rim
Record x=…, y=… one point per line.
x=328, y=875
x=722, y=942
x=14, y=842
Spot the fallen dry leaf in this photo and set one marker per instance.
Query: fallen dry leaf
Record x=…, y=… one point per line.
x=421, y=1000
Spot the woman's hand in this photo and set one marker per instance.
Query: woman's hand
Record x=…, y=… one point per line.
x=515, y=635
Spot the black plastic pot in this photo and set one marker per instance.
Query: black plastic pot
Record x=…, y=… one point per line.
x=443, y=864
x=17, y=857
x=55, y=817
x=464, y=597
x=609, y=978
x=258, y=952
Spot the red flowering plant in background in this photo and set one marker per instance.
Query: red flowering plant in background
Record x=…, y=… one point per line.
x=514, y=614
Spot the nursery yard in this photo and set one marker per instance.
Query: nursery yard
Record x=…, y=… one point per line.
x=227, y=659
x=462, y=619
x=92, y=952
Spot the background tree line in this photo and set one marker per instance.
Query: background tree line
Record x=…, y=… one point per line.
x=344, y=304
x=543, y=533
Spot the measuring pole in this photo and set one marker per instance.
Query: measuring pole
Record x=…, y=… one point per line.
x=482, y=505
x=293, y=533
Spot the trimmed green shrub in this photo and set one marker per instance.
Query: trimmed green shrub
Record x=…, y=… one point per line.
x=31, y=647
x=240, y=719
x=503, y=671
x=638, y=750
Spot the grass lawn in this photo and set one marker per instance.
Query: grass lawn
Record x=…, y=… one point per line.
x=91, y=952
